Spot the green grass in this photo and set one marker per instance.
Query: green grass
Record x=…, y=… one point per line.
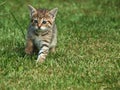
x=88, y=51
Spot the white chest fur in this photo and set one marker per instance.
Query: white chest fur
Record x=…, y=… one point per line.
x=38, y=41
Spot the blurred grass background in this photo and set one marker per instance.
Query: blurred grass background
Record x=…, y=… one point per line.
x=88, y=51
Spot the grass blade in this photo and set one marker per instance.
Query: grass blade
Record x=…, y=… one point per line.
x=18, y=24
x=2, y=3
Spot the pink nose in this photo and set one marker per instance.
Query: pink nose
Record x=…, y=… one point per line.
x=39, y=25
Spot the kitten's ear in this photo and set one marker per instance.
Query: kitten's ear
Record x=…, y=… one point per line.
x=32, y=10
x=53, y=12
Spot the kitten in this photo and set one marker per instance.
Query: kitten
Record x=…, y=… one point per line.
x=42, y=32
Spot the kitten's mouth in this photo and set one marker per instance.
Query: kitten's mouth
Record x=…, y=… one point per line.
x=42, y=28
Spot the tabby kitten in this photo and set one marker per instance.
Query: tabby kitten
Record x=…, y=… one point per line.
x=42, y=32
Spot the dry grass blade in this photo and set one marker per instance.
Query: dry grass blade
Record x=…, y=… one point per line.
x=2, y=3
x=18, y=24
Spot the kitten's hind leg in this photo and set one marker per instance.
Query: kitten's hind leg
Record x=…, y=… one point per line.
x=53, y=44
x=54, y=40
x=52, y=49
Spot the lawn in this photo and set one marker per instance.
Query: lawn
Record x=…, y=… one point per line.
x=88, y=51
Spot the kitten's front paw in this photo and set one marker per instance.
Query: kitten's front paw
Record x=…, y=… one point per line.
x=40, y=60
x=28, y=51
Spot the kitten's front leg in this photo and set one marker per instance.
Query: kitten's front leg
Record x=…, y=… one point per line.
x=43, y=53
x=29, y=47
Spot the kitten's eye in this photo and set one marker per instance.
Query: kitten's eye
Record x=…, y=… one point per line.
x=31, y=20
x=35, y=21
x=44, y=22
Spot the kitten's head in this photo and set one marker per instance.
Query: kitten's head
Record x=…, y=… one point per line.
x=42, y=19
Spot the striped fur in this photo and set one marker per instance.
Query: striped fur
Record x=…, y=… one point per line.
x=42, y=32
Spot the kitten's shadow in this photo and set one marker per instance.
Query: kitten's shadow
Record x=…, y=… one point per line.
x=20, y=51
